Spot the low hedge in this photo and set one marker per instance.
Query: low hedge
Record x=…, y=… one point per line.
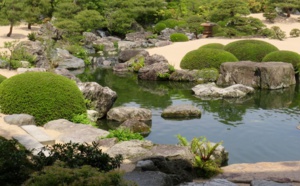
x=44, y=95
x=206, y=58
x=213, y=46
x=284, y=56
x=250, y=50
x=178, y=37
x=2, y=78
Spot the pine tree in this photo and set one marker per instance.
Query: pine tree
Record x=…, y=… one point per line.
x=286, y=5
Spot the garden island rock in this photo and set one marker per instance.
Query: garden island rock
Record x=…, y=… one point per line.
x=265, y=75
x=181, y=111
x=124, y=113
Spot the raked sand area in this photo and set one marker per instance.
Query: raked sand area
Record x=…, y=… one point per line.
x=278, y=171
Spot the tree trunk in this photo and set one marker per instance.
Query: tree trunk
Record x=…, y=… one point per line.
x=29, y=26
x=10, y=29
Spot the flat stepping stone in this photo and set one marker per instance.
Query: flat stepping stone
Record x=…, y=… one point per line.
x=30, y=143
x=38, y=134
x=181, y=111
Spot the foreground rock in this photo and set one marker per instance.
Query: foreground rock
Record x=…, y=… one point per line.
x=212, y=91
x=181, y=111
x=19, y=119
x=77, y=133
x=283, y=172
x=101, y=98
x=124, y=113
x=266, y=75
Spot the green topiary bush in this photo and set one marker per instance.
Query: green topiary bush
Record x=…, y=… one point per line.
x=284, y=56
x=206, y=58
x=44, y=95
x=213, y=46
x=252, y=50
x=159, y=27
x=2, y=78
x=178, y=37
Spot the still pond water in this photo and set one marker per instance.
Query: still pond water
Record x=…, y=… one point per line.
x=261, y=127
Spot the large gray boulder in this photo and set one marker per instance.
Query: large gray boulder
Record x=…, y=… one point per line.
x=181, y=111
x=48, y=31
x=147, y=178
x=151, y=72
x=210, y=90
x=66, y=60
x=66, y=73
x=102, y=98
x=126, y=55
x=155, y=58
x=136, y=126
x=35, y=49
x=124, y=113
x=265, y=75
x=19, y=119
x=77, y=133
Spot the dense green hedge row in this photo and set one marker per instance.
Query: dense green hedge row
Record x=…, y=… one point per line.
x=44, y=95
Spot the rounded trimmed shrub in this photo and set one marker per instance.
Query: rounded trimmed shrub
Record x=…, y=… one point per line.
x=206, y=58
x=295, y=32
x=178, y=37
x=283, y=56
x=44, y=95
x=213, y=46
x=250, y=50
x=159, y=27
x=2, y=78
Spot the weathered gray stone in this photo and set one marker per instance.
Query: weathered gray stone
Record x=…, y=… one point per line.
x=108, y=45
x=162, y=43
x=125, y=45
x=151, y=72
x=19, y=119
x=213, y=182
x=211, y=90
x=38, y=134
x=181, y=111
x=268, y=183
x=48, y=31
x=23, y=70
x=126, y=55
x=165, y=34
x=124, y=113
x=147, y=178
x=184, y=75
x=37, y=50
x=266, y=75
x=136, y=126
x=77, y=133
x=298, y=127
x=137, y=36
x=93, y=115
x=145, y=164
x=172, y=152
x=89, y=37
x=133, y=150
x=67, y=74
x=30, y=143
x=102, y=98
x=65, y=60
x=283, y=172
x=107, y=142
x=155, y=58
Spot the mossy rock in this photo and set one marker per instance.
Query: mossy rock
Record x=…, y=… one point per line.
x=44, y=95
x=178, y=37
x=206, y=58
x=250, y=50
x=283, y=56
x=213, y=46
x=2, y=78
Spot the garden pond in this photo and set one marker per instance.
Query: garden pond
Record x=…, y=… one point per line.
x=260, y=127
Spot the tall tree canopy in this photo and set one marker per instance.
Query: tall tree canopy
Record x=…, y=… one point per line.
x=286, y=5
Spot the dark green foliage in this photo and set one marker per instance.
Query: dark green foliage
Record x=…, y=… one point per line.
x=159, y=27
x=59, y=175
x=44, y=95
x=75, y=155
x=2, y=78
x=15, y=168
x=206, y=58
x=213, y=46
x=172, y=23
x=284, y=56
x=253, y=50
x=124, y=134
x=178, y=37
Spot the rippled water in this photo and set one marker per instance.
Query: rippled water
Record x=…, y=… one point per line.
x=261, y=127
